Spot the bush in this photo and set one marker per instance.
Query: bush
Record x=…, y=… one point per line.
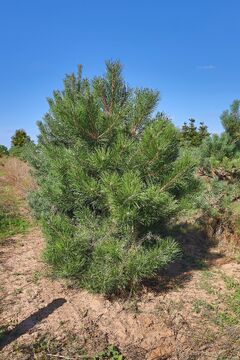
x=108, y=174
x=3, y=150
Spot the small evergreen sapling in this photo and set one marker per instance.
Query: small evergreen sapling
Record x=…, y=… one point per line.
x=110, y=177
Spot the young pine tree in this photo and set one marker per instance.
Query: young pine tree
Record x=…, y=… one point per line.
x=20, y=138
x=231, y=121
x=110, y=177
x=19, y=143
x=191, y=136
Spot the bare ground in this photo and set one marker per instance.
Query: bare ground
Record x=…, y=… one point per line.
x=186, y=314
x=151, y=325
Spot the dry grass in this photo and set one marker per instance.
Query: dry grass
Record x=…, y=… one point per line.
x=15, y=182
x=17, y=175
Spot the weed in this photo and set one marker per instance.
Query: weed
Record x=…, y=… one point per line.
x=11, y=224
x=231, y=314
x=36, y=277
x=199, y=305
x=17, y=291
x=205, y=282
x=111, y=353
x=230, y=282
x=3, y=331
x=237, y=257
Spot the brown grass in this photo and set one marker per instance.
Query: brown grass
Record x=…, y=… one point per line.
x=17, y=175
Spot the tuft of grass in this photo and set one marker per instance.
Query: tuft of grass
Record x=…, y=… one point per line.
x=111, y=353
x=237, y=257
x=17, y=291
x=202, y=306
x=225, y=311
x=205, y=282
x=3, y=332
x=11, y=224
x=230, y=282
x=45, y=347
x=36, y=276
x=231, y=300
x=11, y=221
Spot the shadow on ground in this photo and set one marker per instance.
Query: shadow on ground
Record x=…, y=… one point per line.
x=197, y=254
x=27, y=324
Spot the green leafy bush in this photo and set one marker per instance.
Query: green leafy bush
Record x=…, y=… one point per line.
x=111, y=176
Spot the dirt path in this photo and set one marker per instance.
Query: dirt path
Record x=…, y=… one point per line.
x=153, y=326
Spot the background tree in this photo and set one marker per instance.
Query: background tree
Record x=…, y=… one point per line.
x=231, y=120
x=193, y=136
x=220, y=165
x=111, y=177
x=202, y=132
x=20, y=143
x=20, y=138
x=3, y=150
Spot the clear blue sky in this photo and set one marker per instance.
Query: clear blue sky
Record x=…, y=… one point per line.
x=188, y=49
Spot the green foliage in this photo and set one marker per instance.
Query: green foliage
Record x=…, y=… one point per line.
x=116, y=265
x=20, y=138
x=3, y=150
x=231, y=121
x=20, y=143
x=191, y=136
x=220, y=164
x=111, y=353
x=11, y=224
x=108, y=174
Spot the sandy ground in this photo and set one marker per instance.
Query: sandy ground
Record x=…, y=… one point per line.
x=153, y=325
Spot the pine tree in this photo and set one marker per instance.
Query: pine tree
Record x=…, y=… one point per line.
x=231, y=121
x=202, y=132
x=220, y=154
x=20, y=143
x=110, y=177
x=191, y=136
x=20, y=138
x=192, y=129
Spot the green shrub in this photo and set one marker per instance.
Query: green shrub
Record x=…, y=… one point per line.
x=3, y=150
x=111, y=176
